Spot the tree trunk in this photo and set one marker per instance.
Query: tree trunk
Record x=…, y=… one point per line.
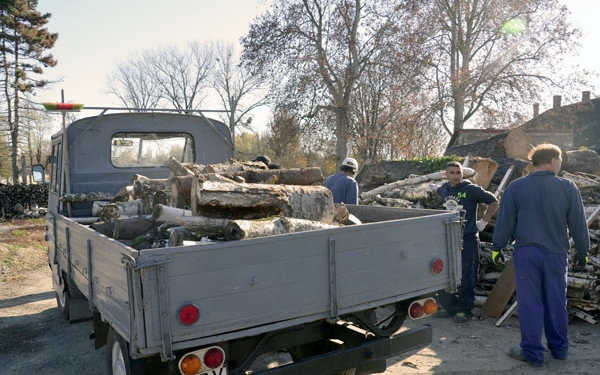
x=511, y=144
x=586, y=161
x=128, y=229
x=369, y=195
x=286, y=176
x=203, y=226
x=242, y=229
x=178, y=168
x=228, y=199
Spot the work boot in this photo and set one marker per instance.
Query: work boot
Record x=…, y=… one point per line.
x=517, y=353
x=462, y=317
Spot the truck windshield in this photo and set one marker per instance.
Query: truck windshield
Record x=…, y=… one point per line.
x=150, y=149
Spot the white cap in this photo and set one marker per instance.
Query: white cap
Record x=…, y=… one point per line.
x=350, y=162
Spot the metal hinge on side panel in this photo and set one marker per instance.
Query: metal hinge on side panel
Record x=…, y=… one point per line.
x=149, y=261
x=163, y=310
x=454, y=245
x=136, y=308
x=90, y=275
x=333, y=296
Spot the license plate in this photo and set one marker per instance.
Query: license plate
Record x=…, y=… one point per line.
x=221, y=371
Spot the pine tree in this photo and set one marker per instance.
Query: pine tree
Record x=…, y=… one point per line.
x=23, y=44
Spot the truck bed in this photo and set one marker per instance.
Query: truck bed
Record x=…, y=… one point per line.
x=248, y=287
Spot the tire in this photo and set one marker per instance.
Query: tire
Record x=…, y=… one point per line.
x=117, y=356
x=62, y=302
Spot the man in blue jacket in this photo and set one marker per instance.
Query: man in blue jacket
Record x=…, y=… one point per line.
x=462, y=195
x=343, y=186
x=540, y=211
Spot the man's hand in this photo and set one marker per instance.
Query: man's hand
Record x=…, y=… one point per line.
x=498, y=257
x=481, y=224
x=580, y=261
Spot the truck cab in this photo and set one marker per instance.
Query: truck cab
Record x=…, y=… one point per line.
x=111, y=148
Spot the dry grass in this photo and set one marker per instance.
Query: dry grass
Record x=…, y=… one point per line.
x=22, y=247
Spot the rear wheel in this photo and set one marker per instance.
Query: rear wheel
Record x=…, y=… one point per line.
x=62, y=301
x=117, y=356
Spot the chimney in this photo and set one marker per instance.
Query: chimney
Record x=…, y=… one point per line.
x=585, y=96
x=536, y=109
x=556, y=101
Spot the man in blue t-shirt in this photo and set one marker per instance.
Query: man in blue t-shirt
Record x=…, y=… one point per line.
x=343, y=186
x=462, y=195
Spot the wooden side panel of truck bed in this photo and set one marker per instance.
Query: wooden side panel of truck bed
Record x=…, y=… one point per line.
x=95, y=264
x=254, y=286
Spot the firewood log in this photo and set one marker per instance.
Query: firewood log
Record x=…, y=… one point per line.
x=86, y=197
x=243, y=229
x=228, y=199
x=169, y=214
x=232, y=166
x=514, y=143
x=585, y=160
x=180, y=234
x=201, y=225
x=129, y=208
x=177, y=168
x=128, y=229
x=284, y=176
x=371, y=194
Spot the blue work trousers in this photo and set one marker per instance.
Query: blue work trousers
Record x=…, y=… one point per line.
x=464, y=299
x=541, y=280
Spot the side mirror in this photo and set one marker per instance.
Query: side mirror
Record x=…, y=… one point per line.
x=37, y=173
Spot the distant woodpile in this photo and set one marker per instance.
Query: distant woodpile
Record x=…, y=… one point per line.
x=495, y=163
x=23, y=201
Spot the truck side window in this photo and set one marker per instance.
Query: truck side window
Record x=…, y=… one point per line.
x=150, y=149
x=55, y=167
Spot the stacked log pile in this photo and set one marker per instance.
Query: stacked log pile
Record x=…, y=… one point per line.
x=228, y=201
x=23, y=201
x=494, y=174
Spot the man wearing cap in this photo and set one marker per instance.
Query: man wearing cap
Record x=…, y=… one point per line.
x=343, y=185
x=266, y=161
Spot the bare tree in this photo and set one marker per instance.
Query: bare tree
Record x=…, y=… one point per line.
x=168, y=75
x=489, y=56
x=390, y=111
x=131, y=83
x=239, y=90
x=182, y=74
x=315, y=51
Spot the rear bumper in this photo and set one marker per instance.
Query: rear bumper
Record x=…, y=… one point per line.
x=359, y=356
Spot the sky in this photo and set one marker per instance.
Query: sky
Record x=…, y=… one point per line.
x=95, y=35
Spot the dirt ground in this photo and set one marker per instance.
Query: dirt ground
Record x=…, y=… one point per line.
x=34, y=339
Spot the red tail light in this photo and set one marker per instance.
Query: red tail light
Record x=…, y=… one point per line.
x=437, y=265
x=422, y=308
x=189, y=314
x=415, y=311
x=214, y=357
x=202, y=361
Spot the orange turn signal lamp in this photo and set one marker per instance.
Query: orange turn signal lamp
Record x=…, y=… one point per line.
x=201, y=361
x=422, y=308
